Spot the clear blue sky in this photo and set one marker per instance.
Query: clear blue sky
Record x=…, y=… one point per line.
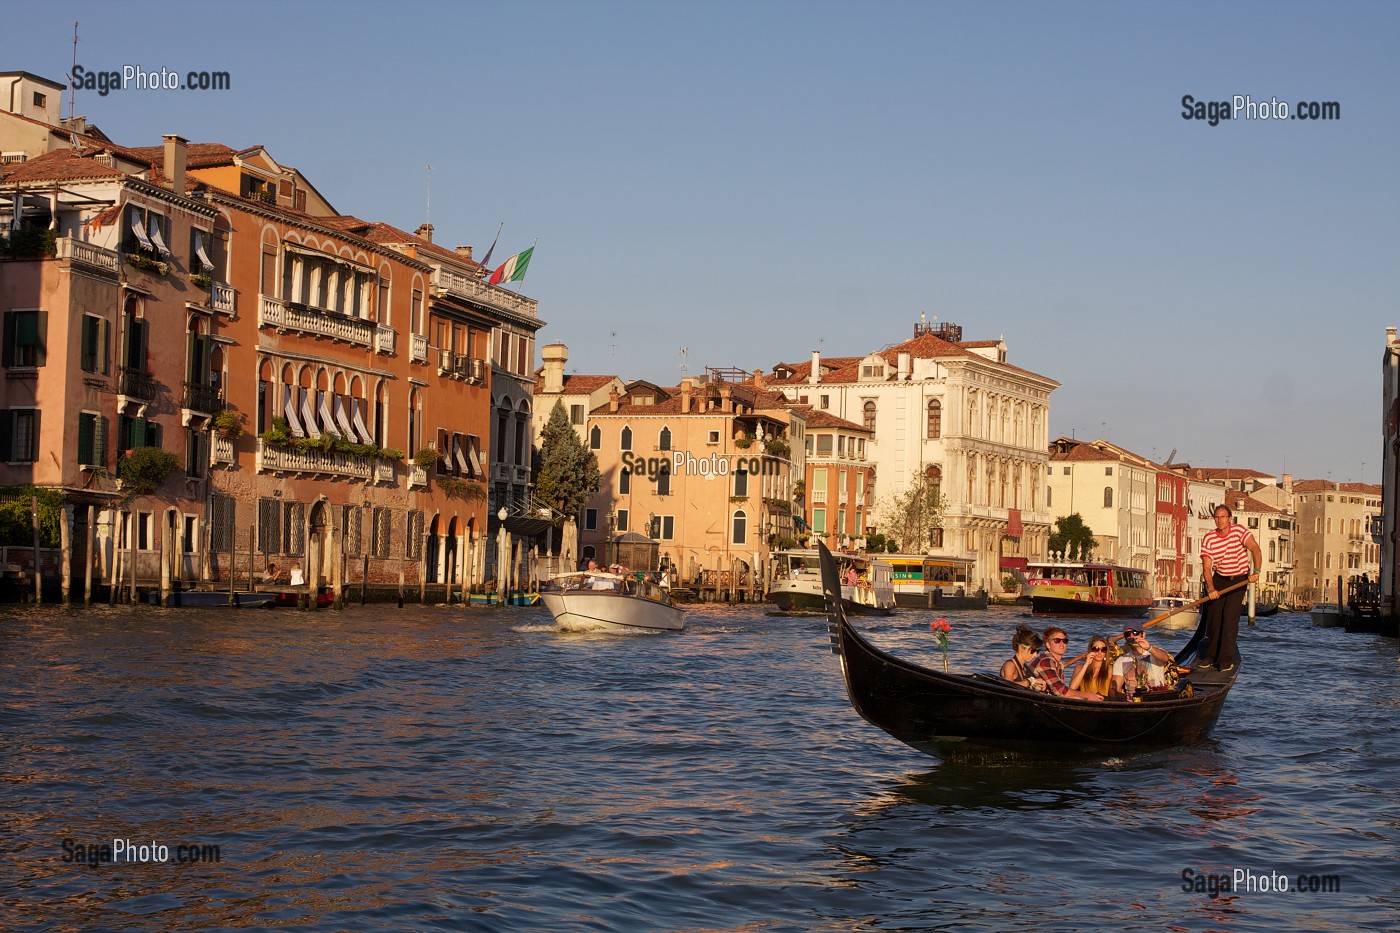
x=757, y=180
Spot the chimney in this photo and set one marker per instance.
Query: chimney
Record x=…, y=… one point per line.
x=905, y=367
x=685, y=396
x=613, y=399
x=726, y=398
x=1390, y=335
x=465, y=252
x=554, y=355
x=425, y=231
x=175, y=162
x=816, y=375
x=758, y=379
x=1288, y=484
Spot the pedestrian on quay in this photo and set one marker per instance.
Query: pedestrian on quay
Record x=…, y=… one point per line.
x=1226, y=555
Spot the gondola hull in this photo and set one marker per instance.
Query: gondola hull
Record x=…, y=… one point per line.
x=927, y=709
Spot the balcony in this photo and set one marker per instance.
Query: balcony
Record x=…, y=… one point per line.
x=202, y=398
x=220, y=450
x=819, y=497
x=383, y=471
x=328, y=463
x=384, y=339
x=474, y=290
x=85, y=254
x=136, y=383
x=284, y=316
x=418, y=348
x=221, y=298
x=457, y=366
x=417, y=476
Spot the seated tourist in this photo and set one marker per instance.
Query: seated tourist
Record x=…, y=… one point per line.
x=295, y=578
x=1096, y=673
x=1051, y=666
x=1141, y=667
x=1024, y=644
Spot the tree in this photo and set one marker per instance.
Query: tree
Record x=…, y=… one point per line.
x=1073, y=537
x=914, y=515
x=568, y=471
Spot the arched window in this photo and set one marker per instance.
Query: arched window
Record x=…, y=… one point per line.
x=664, y=441
x=1108, y=497
x=624, y=482
x=741, y=529
x=935, y=481
x=741, y=481
x=870, y=416
x=626, y=443
x=663, y=480
x=1272, y=551
x=595, y=438
x=935, y=418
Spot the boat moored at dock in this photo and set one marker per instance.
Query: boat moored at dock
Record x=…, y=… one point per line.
x=925, y=581
x=867, y=583
x=1086, y=588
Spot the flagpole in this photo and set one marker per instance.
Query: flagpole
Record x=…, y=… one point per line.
x=486, y=262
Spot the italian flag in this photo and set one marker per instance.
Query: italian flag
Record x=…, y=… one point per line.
x=513, y=269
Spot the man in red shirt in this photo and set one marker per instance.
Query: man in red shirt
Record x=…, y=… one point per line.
x=1226, y=556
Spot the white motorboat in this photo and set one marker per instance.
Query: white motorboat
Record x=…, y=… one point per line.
x=867, y=583
x=592, y=600
x=1327, y=615
x=1180, y=616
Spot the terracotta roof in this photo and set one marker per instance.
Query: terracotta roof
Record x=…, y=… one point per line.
x=61, y=165
x=379, y=232
x=1080, y=450
x=1244, y=502
x=197, y=155
x=580, y=384
x=922, y=347
x=1219, y=473
x=1327, y=485
x=816, y=418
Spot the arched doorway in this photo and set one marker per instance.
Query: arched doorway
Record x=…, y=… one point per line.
x=449, y=553
x=432, y=550
x=318, y=549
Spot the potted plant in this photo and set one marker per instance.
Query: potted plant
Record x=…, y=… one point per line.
x=425, y=458
x=202, y=280
x=227, y=424
x=143, y=469
x=154, y=266
x=742, y=441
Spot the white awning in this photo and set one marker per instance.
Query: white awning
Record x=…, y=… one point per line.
x=475, y=460
x=139, y=230
x=157, y=239
x=365, y=436
x=326, y=418
x=289, y=408
x=204, y=259
x=309, y=415
x=457, y=452
x=341, y=420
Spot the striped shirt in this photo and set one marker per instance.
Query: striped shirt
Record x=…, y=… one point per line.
x=1227, y=552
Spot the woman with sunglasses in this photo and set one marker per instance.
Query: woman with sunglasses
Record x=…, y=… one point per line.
x=1096, y=673
x=1017, y=669
x=1051, y=666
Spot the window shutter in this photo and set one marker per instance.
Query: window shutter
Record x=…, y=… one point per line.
x=138, y=432
x=34, y=438
x=153, y=438
x=9, y=351
x=99, y=441
x=41, y=341
x=7, y=429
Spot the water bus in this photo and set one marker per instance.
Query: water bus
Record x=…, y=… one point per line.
x=867, y=583
x=923, y=581
x=1075, y=588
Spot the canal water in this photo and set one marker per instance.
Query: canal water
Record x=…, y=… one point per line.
x=434, y=768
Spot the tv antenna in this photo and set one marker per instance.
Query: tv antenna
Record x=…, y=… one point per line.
x=614, y=351
x=685, y=368
x=428, y=211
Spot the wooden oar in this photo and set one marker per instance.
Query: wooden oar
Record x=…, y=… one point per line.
x=1185, y=608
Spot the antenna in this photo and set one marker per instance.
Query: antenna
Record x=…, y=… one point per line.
x=614, y=351
x=428, y=213
x=72, y=109
x=685, y=368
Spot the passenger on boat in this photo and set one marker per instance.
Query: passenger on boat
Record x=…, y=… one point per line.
x=1096, y=673
x=1051, y=666
x=1141, y=668
x=1017, y=669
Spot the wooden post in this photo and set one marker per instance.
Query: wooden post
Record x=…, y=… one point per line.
x=401, y=563
x=114, y=573
x=166, y=559
x=91, y=540
x=364, y=578
x=65, y=537
x=132, y=540
x=423, y=579
x=38, y=572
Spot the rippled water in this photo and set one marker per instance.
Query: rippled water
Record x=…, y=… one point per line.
x=378, y=769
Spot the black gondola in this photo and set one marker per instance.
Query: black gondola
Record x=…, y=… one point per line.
x=927, y=709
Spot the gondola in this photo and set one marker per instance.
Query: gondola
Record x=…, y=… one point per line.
x=928, y=709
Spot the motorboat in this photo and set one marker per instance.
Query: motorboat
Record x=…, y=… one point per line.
x=1179, y=612
x=867, y=583
x=1328, y=615
x=593, y=600
x=926, y=581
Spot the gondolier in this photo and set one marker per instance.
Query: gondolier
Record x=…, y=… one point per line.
x=1226, y=555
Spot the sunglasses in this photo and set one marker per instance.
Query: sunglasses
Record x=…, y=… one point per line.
x=1131, y=632
x=1061, y=641
x=1098, y=648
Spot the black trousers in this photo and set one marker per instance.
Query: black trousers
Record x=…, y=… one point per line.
x=1223, y=621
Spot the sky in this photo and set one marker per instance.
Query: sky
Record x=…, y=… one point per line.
x=737, y=184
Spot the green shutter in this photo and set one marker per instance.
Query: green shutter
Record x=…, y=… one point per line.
x=41, y=332
x=34, y=445
x=85, y=432
x=9, y=351
x=99, y=441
